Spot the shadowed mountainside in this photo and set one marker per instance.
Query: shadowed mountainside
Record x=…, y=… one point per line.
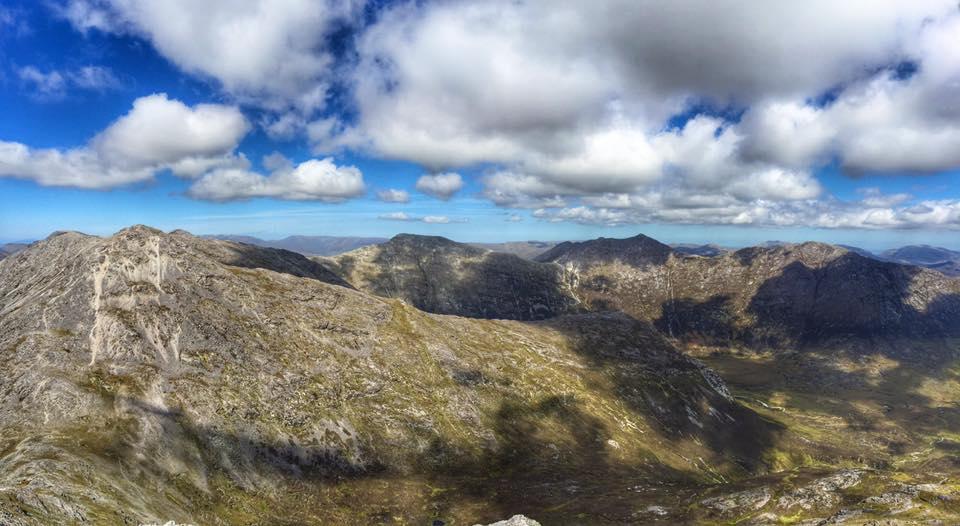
x=639, y=250
x=779, y=296
x=441, y=276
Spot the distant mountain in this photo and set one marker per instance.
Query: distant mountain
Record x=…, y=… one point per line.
x=639, y=250
x=524, y=249
x=772, y=296
x=438, y=275
x=709, y=250
x=936, y=258
x=10, y=249
x=307, y=245
x=781, y=296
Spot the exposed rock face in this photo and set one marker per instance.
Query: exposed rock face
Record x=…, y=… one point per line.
x=516, y=520
x=441, y=276
x=150, y=377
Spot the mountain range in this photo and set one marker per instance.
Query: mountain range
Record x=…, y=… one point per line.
x=307, y=245
x=151, y=376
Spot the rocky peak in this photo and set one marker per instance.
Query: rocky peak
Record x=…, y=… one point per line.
x=639, y=250
x=418, y=244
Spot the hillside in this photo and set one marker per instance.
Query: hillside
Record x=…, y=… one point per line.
x=779, y=296
x=441, y=276
x=150, y=377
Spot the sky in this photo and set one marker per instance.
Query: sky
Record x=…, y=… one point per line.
x=497, y=120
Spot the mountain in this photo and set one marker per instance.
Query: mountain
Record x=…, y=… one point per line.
x=148, y=377
x=10, y=249
x=307, y=245
x=778, y=296
x=861, y=251
x=936, y=258
x=857, y=359
x=709, y=250
x=441, y=276
x=524, y=249
x=639, y=250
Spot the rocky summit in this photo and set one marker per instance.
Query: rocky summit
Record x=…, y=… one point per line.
x=150, y=377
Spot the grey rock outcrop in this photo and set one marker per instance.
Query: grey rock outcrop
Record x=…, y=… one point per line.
x=516, y=520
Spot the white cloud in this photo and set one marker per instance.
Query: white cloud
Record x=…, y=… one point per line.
x=266, y=52
x=157, y=134
x=55, y=85
x=159, y=130
x=13, y=22
x=875, y=198
x=314, y=180
x=442, y=186
x=43, y=85
x=393, y=195
x=826, y=213
x=567, y=105
x=396, y=216
x=430, y=219
x=97, y=78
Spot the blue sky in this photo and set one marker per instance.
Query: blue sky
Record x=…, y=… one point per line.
x=545, y=144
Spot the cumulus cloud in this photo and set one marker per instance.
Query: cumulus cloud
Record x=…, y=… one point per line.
x=159, y=130
x=157, y=134
x=393, y=195
x=442, y=186
x=570, y=102
x=265, y=52
x=315, y=180
x=608, y=112
x=825, y=213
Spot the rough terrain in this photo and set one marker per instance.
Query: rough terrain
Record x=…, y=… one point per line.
x=149, y=377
